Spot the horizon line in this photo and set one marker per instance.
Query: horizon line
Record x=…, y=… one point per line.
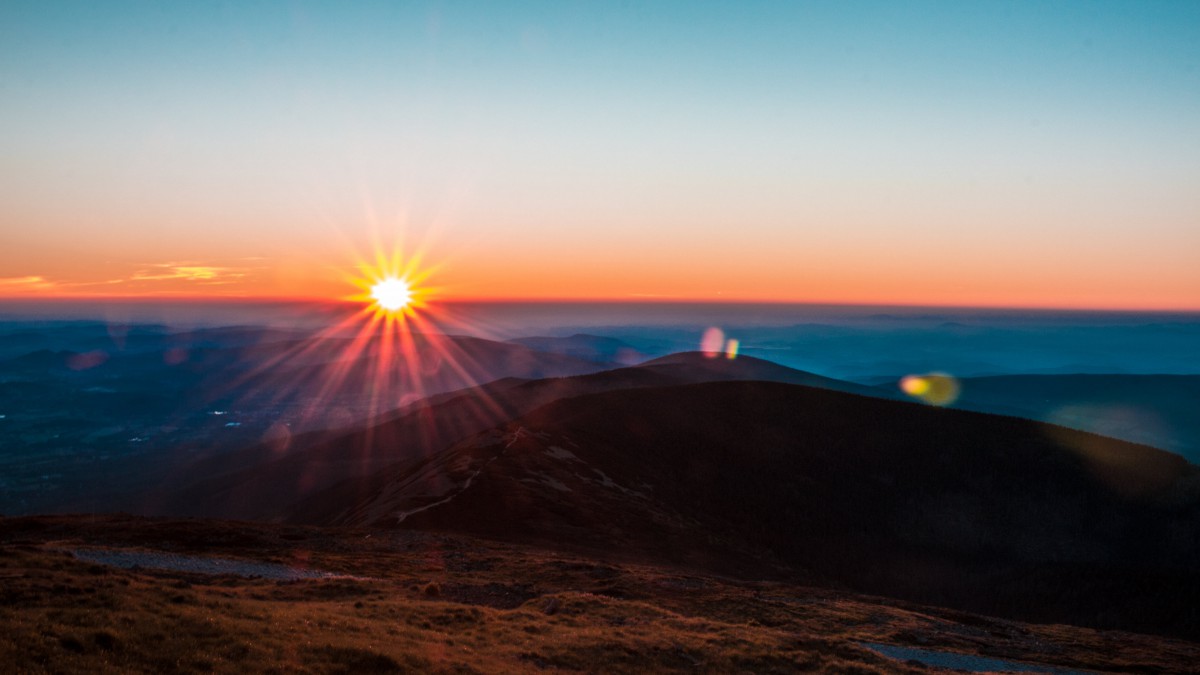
x=626, y=300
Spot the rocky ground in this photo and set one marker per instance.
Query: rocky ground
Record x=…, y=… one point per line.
x=101, y=594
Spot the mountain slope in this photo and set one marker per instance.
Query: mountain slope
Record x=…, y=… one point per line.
x=991, y=513
x=265, y=481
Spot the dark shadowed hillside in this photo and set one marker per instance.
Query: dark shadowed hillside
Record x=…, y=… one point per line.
x=997, y=514
x=268, y=479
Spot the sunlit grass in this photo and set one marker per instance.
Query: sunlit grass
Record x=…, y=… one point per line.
x=497, y=608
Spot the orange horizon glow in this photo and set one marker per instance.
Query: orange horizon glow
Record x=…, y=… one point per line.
x=449, y=299
x=467, y=275
x=470, y=275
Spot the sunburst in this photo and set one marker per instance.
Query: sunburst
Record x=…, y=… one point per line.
x=392, y=286
x=392, y=294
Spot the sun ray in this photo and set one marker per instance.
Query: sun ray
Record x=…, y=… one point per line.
x=392, y=347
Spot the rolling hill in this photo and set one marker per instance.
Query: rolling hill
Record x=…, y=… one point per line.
x=993, y=514
x=266, y=480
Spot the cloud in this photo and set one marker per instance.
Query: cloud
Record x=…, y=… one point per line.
x=29, y=282
x=146, y=278
x=191, y=271
x=40, y=283
x=173, y=276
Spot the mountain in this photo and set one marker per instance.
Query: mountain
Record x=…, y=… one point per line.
x=750, y=368
x=583, y=346
x=987, y=513
x=266, y=480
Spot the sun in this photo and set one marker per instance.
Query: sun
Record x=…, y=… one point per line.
x=392, y=288
x=391, y=293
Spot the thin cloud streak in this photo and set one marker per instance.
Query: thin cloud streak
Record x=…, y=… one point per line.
x=33, y=282
x=153, y=278
x=189, y=271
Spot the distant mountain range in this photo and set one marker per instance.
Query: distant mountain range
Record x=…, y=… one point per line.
x=96, y=423
x=589, y=347
x=1158, y=410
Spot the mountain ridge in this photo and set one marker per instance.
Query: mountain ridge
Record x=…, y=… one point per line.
x=725, y=474
x=263, y=481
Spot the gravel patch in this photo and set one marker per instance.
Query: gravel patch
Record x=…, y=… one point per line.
x=967, y=662
x=198, y=564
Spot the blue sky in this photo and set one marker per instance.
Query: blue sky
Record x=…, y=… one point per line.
x=752, y=138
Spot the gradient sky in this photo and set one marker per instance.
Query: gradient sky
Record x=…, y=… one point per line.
x=1026, y=154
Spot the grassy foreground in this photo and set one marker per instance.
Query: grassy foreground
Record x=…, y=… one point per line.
x=419, y=602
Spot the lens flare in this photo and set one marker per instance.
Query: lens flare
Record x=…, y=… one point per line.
x=712, y=343
x=937, y=389
x=380, y=353
x=386, y=346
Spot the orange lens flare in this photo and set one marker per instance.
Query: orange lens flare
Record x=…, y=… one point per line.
x=937, y=389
